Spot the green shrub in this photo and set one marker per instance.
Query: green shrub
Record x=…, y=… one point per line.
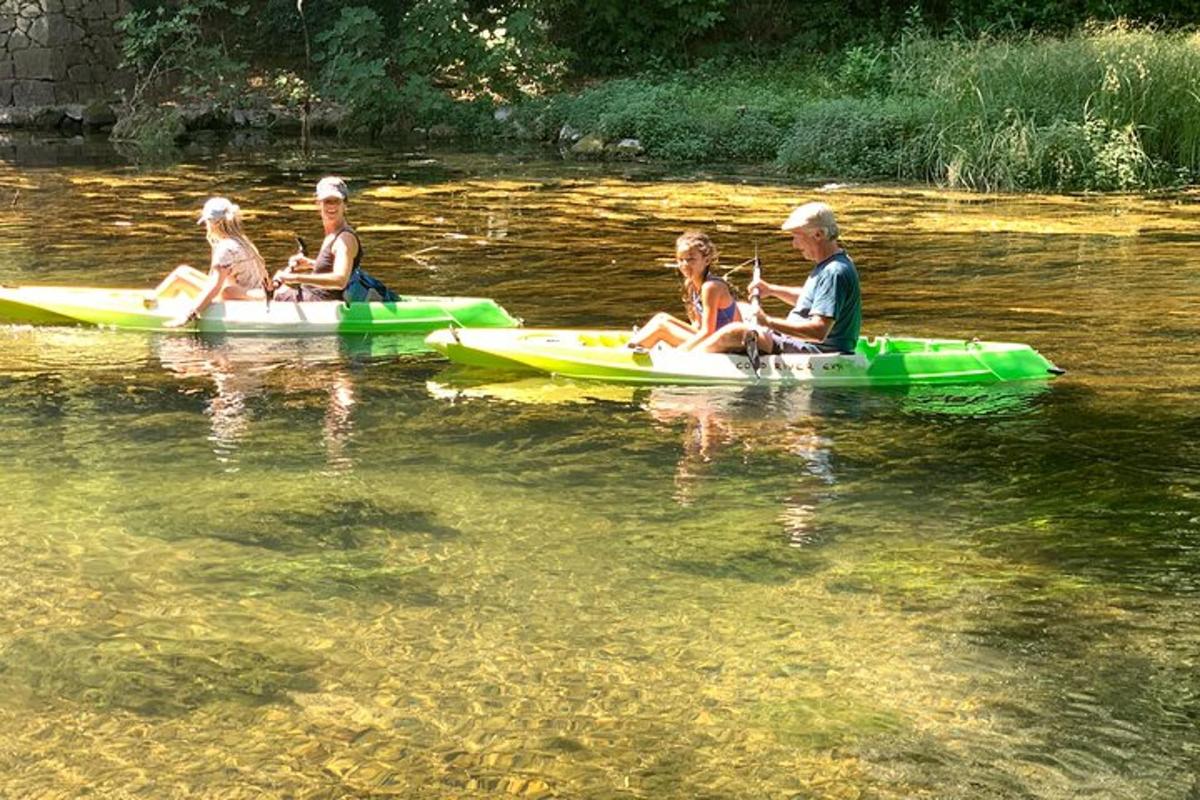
x=172, y=54
x=859, y=138
x=353, y=72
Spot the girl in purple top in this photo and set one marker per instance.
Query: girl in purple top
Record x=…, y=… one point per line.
x=708, y=299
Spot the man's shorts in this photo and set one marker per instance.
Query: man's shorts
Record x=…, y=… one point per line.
x=782, y=344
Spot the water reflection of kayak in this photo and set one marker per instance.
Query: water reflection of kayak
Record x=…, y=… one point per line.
x=602, y=356
x=534, y=390
x=126, y=309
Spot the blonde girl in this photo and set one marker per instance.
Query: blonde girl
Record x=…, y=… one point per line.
x=237, y=270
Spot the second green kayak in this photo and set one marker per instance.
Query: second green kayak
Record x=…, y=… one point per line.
x=603, y=355
x=128, y=309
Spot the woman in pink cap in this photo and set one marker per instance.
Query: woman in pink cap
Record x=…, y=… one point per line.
x=236, y=272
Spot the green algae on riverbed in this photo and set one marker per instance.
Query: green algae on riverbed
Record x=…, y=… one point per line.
x=247, y=568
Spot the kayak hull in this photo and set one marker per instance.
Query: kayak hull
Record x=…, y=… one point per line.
x=127, y=309
x=602, y=355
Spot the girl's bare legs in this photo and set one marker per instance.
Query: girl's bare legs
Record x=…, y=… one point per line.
x=183, y=280
x=662, y=327
x=732, y=339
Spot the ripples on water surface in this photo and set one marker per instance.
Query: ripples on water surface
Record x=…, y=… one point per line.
x=340, y=568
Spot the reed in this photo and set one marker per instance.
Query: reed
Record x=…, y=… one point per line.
x=1105, y=108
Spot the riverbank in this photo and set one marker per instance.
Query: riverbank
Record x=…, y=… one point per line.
x=1103, y=109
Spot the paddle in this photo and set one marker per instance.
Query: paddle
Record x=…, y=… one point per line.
x=302, y=249
x=751, y=341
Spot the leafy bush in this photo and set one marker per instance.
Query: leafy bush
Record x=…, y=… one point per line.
x=168, y=51
x=501, y=55
x=353, y=73
x=858, y=138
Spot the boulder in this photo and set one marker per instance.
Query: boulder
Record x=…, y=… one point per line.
x=202, y=116
x=98, y=114
x=251, y=118
x=625, y=149
x=590, y=146
x=568, y=135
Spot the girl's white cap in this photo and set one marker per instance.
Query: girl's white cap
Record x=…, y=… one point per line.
x=217, y=208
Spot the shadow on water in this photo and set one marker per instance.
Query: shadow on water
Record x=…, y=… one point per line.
x=115, y=668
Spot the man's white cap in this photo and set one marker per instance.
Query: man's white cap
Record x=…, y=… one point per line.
x=815, y=213
x=216, y=208
x=332, y=187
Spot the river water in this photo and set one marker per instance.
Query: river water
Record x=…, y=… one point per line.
x=332, y=568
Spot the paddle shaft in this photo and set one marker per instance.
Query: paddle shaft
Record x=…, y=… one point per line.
x=755, y=305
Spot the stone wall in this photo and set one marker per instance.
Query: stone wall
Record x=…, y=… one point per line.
x=58, y=52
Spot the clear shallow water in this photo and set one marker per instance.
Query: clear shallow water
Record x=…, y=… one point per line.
x=340, y=568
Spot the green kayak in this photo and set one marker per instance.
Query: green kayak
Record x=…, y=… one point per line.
x=128, y=309
x=603, y=355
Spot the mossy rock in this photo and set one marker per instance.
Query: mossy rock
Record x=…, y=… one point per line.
x=98, y=114
x=590, y=146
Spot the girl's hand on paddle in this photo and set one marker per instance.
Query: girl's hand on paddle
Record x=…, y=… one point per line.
x=300, y=263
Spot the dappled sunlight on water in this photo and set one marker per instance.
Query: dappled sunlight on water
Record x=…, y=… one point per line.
x=336, y=567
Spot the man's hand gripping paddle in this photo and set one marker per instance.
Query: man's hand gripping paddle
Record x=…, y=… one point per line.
x=751, y=341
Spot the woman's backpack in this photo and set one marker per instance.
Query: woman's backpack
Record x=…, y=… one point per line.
x=363, y=288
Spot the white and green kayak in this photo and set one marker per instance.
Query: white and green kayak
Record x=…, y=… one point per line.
x=128, y=309
x=603, y=355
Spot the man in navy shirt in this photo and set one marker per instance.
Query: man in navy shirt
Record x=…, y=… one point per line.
x=826, y=311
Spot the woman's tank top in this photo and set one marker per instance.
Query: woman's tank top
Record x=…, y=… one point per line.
x=324, y=263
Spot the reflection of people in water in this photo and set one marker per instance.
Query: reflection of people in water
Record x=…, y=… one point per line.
x=243, y=369
x=717, y=418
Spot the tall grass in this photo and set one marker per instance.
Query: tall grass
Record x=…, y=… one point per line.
x=1110, y=108
x=1105, y=108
